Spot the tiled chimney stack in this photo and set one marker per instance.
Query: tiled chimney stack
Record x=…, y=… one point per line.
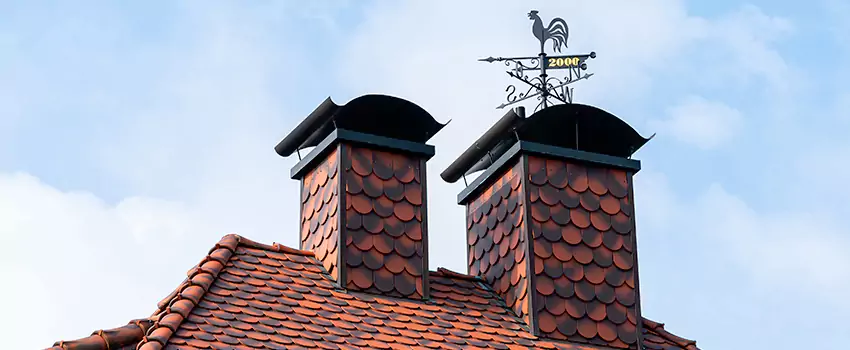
x=550, y=221
x=363, y=192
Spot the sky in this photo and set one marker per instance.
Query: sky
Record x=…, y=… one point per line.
x=133, y=136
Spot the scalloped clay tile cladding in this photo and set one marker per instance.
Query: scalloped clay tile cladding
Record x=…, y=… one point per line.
x=550, y=222
x=363, y=192
x=551, y=247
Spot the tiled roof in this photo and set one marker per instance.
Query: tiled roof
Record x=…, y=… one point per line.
x=121, y=338
x=255, y=296
x=655, y=337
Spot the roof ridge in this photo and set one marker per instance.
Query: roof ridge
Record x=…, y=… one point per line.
x=658, y=328
x=277, y=247
x=177, y=306
x=242, y=241
x=174, y=308
x=442, y=271
x=112, y=338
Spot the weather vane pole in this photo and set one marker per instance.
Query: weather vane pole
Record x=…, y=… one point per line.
x=545, y=87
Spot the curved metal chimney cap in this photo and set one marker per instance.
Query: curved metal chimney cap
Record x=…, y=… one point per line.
x=379, y=115
x=582, y=127
x=571, y=126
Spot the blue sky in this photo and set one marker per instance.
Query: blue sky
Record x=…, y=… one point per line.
x=134, y=136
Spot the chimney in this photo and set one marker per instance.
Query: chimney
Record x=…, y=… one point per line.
x=363, y=192
x=550, y=221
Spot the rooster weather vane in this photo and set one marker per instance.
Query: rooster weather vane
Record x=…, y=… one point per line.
x=546, y=88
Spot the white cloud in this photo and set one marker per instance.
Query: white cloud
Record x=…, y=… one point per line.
x=707, y=255
x=700, y=122
x=800, y=250
x=198, y=145
x=803, y=250
x=72, y=257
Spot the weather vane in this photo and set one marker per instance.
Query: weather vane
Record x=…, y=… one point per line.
x=544, y=86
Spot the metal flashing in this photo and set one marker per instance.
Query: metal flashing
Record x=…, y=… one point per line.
x=341, y=135
x=544, y=150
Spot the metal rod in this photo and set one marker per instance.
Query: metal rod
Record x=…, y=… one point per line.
x=576, y=135
x=543, y=76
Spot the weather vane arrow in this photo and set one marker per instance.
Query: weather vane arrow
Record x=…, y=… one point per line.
x=544, y=86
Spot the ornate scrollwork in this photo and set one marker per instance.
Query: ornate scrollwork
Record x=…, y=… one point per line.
x=546, y=88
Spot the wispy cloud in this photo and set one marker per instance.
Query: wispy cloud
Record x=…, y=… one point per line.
x=702, y=123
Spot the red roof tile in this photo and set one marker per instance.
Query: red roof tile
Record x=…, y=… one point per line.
x=249, y=295
x=655, y=337
x=121, y=338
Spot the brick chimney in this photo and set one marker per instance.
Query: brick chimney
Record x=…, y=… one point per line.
x=550, y=221
x=363, y=192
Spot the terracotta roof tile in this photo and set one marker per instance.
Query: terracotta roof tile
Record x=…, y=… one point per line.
x=655, y=337
x=124, y=337
x=208, y=311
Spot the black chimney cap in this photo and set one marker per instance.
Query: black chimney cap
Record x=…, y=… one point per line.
x=567, y=126
x=378, y=115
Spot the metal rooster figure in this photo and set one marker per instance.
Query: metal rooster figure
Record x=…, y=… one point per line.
x=545, y=87
x=557, y=31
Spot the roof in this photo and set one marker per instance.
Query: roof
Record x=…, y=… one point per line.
x=245, y=294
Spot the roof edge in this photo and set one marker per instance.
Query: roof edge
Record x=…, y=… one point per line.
x=177, y=306
x=658, y=329
x=189, y=294
x=444, y=272
x=112, y=338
